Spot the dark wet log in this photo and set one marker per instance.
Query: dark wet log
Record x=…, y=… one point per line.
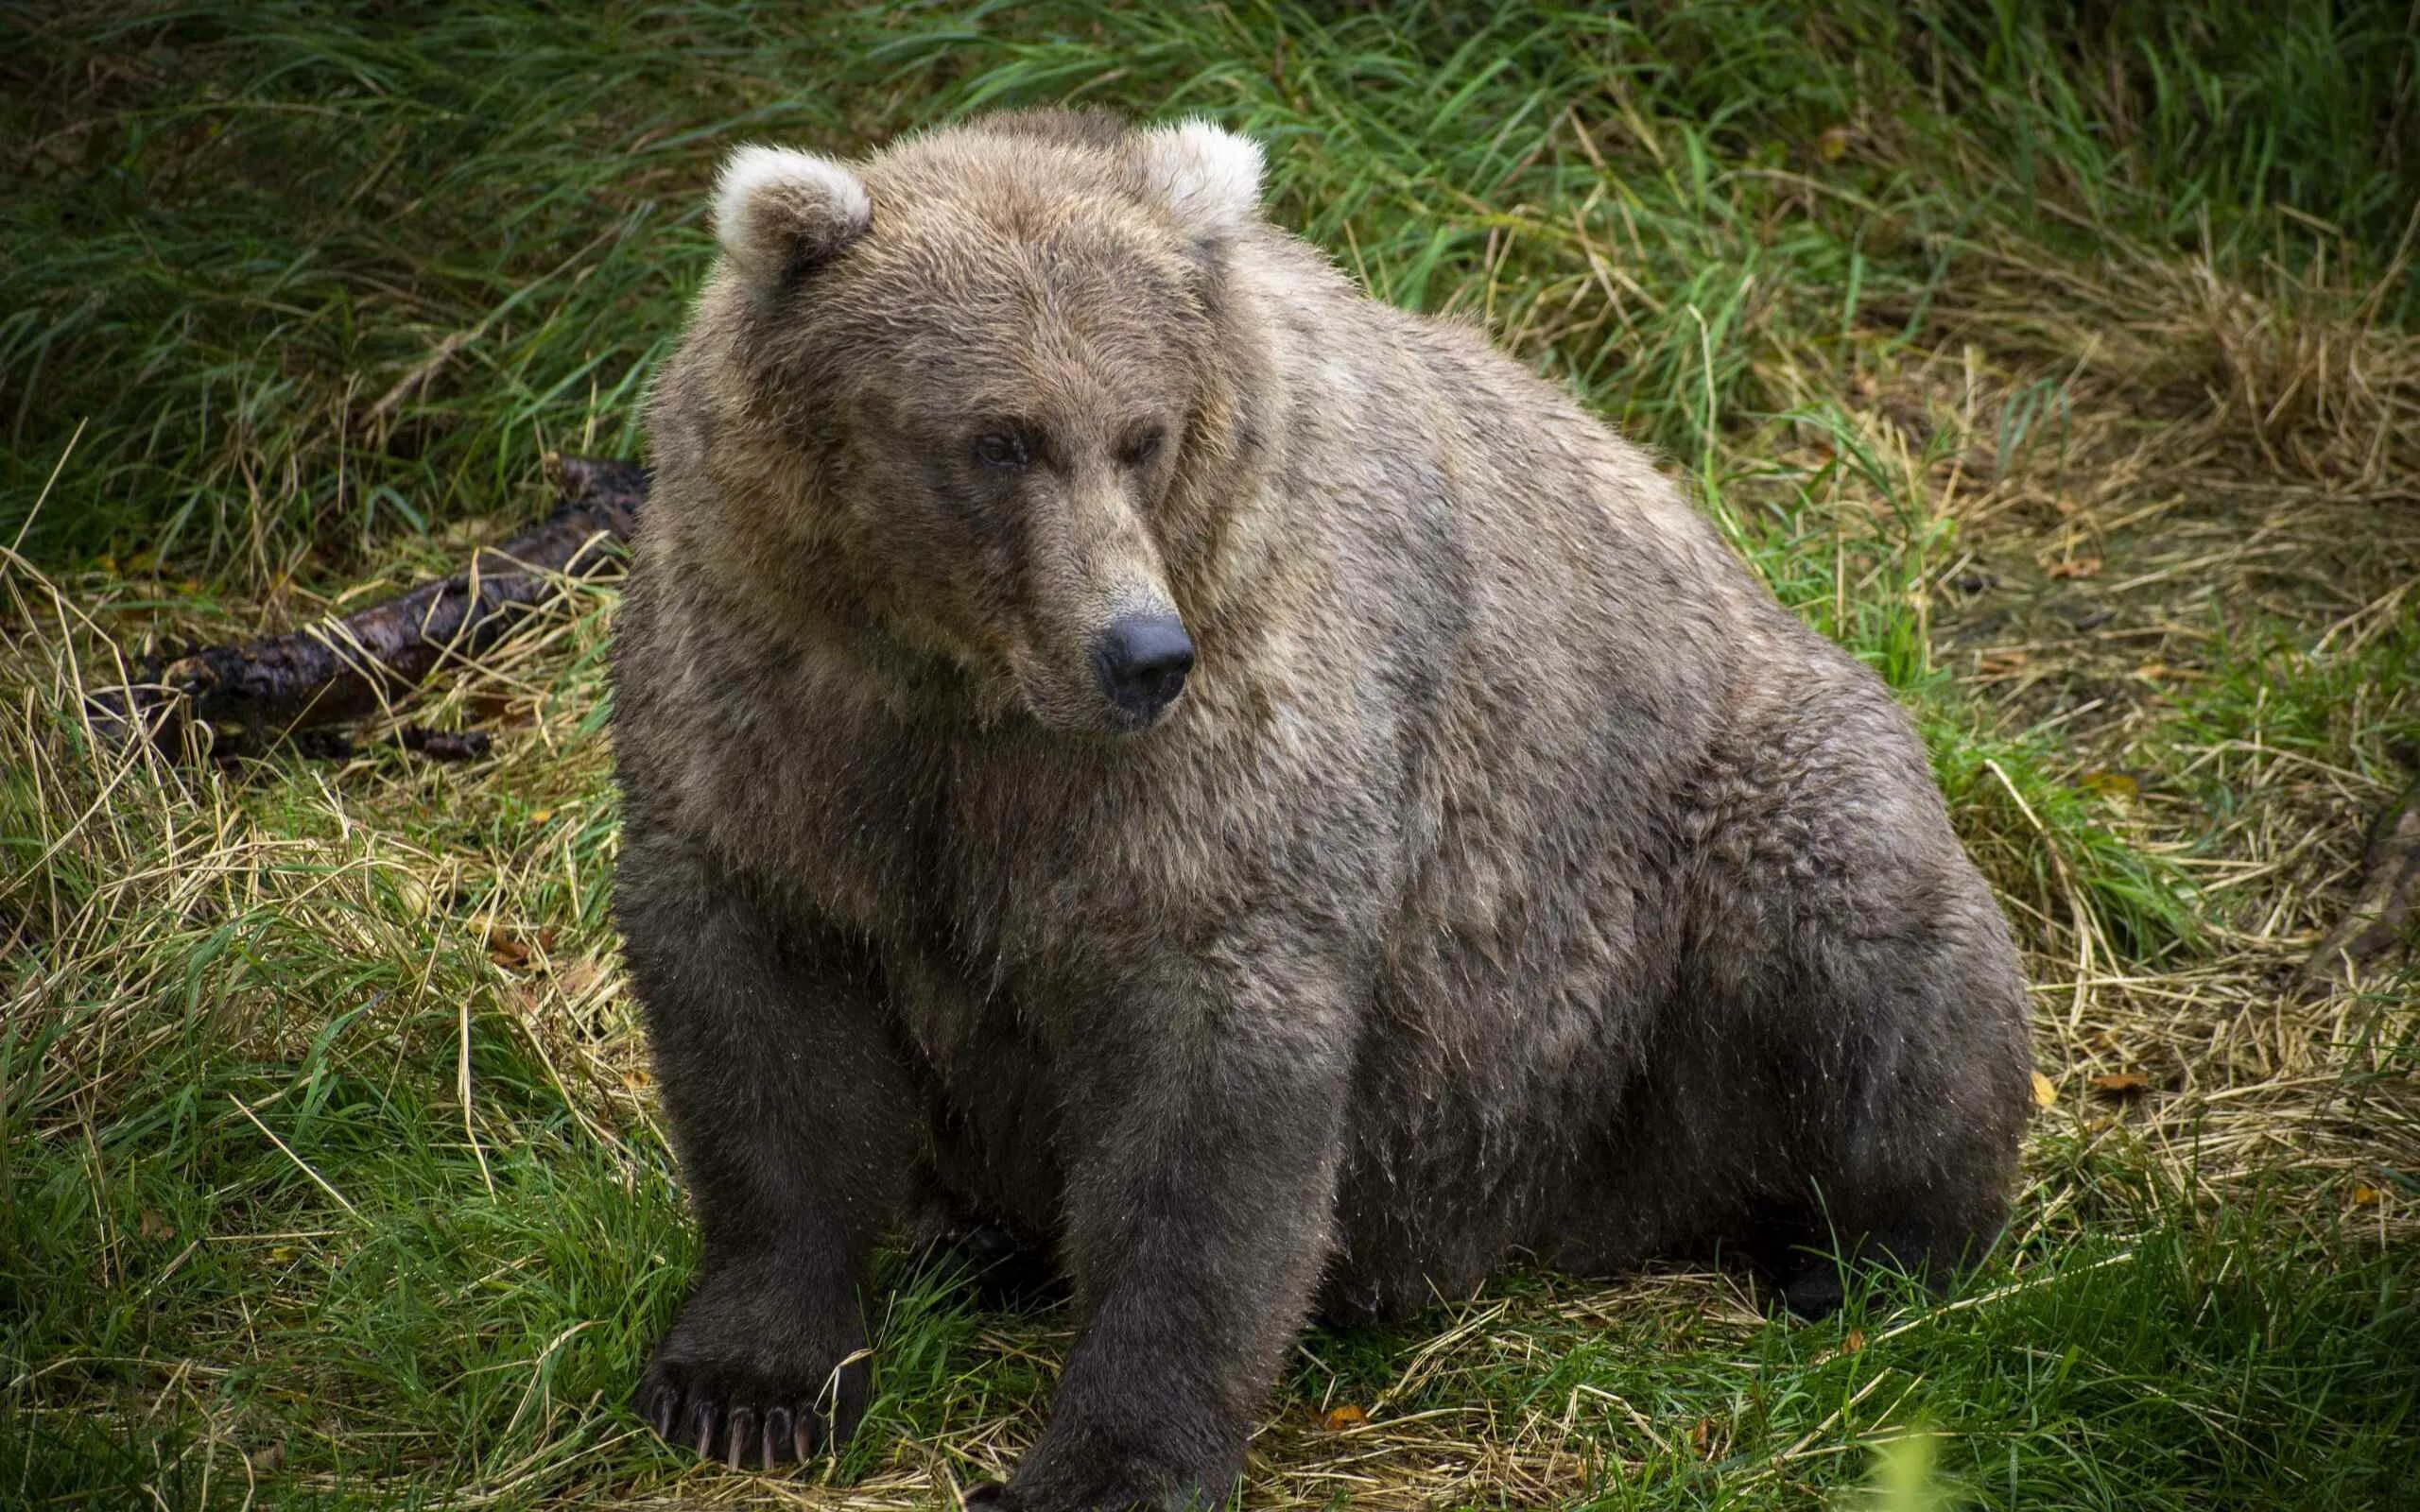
x=444, y=744
x=2382, y=923
x=344, y=668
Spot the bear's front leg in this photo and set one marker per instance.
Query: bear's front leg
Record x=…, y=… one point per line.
x=1203, y=1125
x=793, y=1123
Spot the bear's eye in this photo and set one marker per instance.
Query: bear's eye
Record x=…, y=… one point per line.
x=1141, y=446
x=1006, y=451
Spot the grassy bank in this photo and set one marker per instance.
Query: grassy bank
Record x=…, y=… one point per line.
x=2067, y=366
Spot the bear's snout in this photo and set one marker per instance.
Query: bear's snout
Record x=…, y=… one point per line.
x=1142, y=660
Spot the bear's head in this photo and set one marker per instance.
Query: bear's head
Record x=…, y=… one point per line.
x=985, y=388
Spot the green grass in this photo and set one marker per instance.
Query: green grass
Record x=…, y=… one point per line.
x=246, y=225
x=2059, y=361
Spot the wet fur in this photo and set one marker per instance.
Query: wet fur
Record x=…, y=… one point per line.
x=1514, y=875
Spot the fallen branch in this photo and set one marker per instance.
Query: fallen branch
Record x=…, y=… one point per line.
x=2380, y=924
x=238, y=698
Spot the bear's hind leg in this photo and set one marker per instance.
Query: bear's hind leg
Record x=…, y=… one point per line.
x=1811, y=1266
x=1911, y=1096
x=1867, y=1030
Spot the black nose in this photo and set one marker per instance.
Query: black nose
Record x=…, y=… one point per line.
x=1143, y=660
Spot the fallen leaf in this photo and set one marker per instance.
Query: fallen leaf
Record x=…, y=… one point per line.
x=580, y=979
x=2046, y=1093
x=506, y=951
x=2123, y=1084
x=2074, y=567
x=498, y=709
x=1337, y=1420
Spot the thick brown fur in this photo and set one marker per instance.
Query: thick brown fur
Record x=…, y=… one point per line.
x=1513, y=874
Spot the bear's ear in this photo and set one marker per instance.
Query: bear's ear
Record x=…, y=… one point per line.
x=779, y=211
x=1208, y=176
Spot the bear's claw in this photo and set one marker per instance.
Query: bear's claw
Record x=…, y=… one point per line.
x=748, y=1424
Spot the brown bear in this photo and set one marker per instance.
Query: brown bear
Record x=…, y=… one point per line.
x=1247, y=788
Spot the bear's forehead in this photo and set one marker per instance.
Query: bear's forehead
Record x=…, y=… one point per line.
x=1026, y=268
x=1034, y=358
x=988, y=210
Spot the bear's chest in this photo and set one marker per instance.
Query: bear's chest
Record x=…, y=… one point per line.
x=844, y=830
x=1029, y=855
x=1000, y=843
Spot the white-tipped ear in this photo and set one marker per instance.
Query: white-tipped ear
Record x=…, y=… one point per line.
x=777, y=209
x=1209, y=176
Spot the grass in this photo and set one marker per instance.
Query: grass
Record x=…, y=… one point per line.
x=2060, y=361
